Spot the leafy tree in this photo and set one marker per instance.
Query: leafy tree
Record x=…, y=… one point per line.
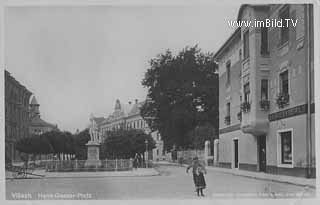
x=201, y=134
x=183, y=93
x=80, y=140
x=125, y=144
x=53, y=142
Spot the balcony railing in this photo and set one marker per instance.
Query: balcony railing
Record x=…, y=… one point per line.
x=245, y=106
x=282, y=100
x=227, y=120
x=265, y=104
x=239, y=115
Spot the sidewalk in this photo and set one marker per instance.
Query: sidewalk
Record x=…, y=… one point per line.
x=134, y=173
x=258, y=175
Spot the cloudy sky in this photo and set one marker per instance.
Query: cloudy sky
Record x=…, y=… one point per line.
x=79, y=60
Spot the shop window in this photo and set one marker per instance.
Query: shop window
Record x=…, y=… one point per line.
x=286, y=147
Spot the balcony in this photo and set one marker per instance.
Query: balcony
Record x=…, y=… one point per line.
x=245, y=107
x=239, y=115
x=227, y=120
x=254, y=120
x=265, y=105
x=282, y=100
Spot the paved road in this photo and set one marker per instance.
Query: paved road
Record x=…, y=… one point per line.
x=173, y=183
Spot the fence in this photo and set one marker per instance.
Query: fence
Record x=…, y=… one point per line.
x=79, y=165
x=186, y=156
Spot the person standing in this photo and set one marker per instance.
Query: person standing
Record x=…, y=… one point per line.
x=198, y=171
x=135, y=161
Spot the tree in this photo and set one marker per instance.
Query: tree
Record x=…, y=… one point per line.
x=183, y=93
x=80, y=141
x=201, y=134
x=53, y=142
x=125, y=144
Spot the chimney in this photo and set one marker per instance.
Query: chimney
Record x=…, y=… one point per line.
x=136, y=100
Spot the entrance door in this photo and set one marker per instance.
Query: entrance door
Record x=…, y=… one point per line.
x=262, y=153
x=236, y=154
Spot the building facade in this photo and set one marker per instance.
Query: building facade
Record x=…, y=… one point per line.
x=16, y=115
x=127, y=116
x=37, y=125
x=266, y=93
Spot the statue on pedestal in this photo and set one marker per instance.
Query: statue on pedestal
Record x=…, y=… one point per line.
x=94, y=130
x=93, y=146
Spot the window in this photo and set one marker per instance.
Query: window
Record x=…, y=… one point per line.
x=264, y=89
x=227, y=118
x=284, y=83
x=246, y=44
x=246, y=92
x=228, y=109
x=284, y=30
x=264, y=41
x=228, y=65
x=286, y=147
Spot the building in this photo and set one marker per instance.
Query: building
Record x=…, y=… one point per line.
x=37, y=125
x=127, y=116
x=16, y=115
x=266, y=93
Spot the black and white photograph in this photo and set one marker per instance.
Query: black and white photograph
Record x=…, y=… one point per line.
x=164, y=101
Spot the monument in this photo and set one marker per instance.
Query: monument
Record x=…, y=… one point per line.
x=93, y=146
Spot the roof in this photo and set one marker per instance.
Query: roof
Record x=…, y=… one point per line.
x=243, y=6
x=227, y=43
x=136, y=109
x=34, y=101
x=38, y=122
x=98, y=120
x=237, y=33
x=9, y=77
x=122, y=111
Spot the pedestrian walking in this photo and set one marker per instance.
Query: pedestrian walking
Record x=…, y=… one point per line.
x=198, y=171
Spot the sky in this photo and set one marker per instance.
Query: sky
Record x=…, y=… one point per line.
x=79, y=60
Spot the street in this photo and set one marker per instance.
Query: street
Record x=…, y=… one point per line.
x=173, y=183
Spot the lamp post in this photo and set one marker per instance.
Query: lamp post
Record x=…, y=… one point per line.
x=146, y=142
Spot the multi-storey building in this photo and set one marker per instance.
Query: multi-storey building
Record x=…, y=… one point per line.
x=266, y=92
x=16, y=115
x=127, y=116
x=37, y=125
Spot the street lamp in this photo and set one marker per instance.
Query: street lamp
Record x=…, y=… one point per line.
x=146, y=142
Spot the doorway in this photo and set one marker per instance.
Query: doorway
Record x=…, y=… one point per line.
x=262, y=153
x=236, y=153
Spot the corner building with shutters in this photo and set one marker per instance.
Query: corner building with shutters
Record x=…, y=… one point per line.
x=266, y=93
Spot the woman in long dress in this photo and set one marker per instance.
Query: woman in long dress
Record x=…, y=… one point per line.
x=198, y=171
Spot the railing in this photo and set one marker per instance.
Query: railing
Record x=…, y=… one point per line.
x=239, y=115
x=282, y=100
x=79, y=165
x=265, y=105
x=227, y=120
x=245, y=106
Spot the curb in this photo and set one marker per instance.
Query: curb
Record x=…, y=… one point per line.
x=244, y=175
x=155, y=173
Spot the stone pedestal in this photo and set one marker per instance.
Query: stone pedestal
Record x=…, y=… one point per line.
x=93, y=149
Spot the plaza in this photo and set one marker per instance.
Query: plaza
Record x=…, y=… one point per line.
x=178, y=183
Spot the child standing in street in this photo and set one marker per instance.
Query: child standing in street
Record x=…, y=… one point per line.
x=198, y=171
